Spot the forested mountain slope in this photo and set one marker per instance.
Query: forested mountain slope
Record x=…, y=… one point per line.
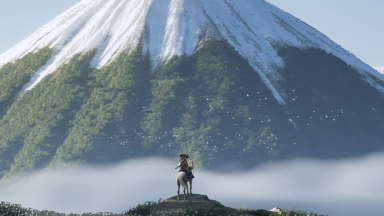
x=211, y=105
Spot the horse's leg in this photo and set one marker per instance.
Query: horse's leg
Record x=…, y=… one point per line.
x=178, y=188
x=190, y=186
x=184, y=193
x=187, y=187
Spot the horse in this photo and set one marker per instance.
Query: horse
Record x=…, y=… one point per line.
x=183, y=179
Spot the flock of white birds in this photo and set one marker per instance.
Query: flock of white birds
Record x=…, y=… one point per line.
x=218, y=146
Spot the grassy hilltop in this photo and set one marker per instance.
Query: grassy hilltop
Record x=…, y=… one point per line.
x=8, y=209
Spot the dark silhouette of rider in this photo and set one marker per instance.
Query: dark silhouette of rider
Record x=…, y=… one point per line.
x=184, y=165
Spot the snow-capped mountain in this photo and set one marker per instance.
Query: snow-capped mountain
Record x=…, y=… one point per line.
x=255, y=28
x=217, y=67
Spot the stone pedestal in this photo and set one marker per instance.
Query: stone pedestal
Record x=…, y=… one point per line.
x=173, y=206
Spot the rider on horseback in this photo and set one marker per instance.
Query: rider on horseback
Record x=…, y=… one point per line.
x=183, y=164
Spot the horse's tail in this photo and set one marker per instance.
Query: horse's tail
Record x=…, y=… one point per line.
x=182, y=179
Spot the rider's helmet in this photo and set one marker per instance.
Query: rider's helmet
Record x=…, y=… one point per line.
x=182, y=155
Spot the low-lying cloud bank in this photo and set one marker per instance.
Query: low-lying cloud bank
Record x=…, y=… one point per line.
x=351, y=187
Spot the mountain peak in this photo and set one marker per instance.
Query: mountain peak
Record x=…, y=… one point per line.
x=256, y=29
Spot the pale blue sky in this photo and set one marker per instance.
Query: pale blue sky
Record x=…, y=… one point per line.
x=354, y=24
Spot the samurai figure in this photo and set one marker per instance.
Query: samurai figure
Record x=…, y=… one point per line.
x=184, y=167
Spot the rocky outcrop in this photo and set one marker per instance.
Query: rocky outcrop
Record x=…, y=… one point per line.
x=173, y=206
x=276, y=211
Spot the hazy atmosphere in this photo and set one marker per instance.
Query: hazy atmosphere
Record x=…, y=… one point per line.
x=116, y=90
x=344, y=187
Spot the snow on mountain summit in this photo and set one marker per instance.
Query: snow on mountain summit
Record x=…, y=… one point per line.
x=255, y=28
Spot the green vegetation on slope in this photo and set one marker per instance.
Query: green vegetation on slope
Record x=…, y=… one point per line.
x=211, y=105
x=14, y=75
x=336, y=112
x=8, y=209
x=104, y=128
x=37, y=123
